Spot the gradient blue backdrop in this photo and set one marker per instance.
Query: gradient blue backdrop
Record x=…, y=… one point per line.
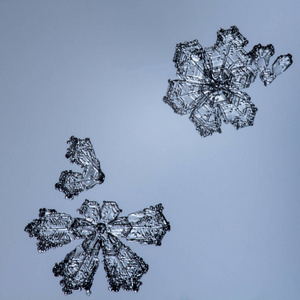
x=99, y=69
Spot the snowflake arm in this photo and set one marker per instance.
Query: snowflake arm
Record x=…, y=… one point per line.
x=82, y=153
x=54, y=229
x=148, y=226
x=182, y=96
x=79, y=266
x=123, y=267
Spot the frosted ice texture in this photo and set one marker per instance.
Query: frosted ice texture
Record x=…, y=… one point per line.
x=211, y=79
x=82, y=153
x=100, y=228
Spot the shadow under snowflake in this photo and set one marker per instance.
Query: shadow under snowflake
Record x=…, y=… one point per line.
x=211, y=79
x=100, y=228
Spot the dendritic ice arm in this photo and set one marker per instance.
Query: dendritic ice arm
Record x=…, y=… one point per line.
x=123, y=267
x=183, y=96
x=52, y=229
x=79, y=266
x=147, y=226
x=211, y=79
x=82, y=153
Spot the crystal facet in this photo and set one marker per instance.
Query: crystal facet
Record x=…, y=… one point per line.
x=82, y=153
x=100, y=229
x=211, y=79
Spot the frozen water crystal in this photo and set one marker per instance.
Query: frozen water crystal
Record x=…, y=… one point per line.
x=81, y=152
x=100, y=228
x=211, y=79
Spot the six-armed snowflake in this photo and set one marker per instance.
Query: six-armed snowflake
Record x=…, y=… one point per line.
x=100, y=229
x=211, y=79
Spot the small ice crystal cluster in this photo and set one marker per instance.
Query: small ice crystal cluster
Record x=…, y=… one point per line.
x=82, y=153
x=100, y=228
x=211, y=79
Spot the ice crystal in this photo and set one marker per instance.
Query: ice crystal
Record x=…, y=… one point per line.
x=100, y=228
x=211, y=79
x=82, y=153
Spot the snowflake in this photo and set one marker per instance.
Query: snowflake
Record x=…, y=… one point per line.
x=211, y=79
x=100, y=228
x=81, y=152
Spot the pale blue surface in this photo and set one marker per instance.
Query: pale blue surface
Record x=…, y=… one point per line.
x=100, y=69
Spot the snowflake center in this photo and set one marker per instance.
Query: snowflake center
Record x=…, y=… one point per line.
x=101, y=227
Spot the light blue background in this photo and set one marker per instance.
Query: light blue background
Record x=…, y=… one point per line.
x=99, y=69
